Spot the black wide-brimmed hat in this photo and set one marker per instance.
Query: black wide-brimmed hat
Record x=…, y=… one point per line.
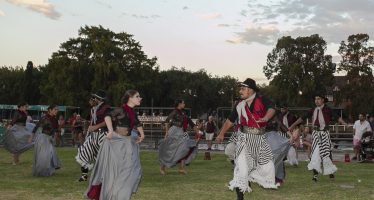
x=249, y=83
x=100, y=94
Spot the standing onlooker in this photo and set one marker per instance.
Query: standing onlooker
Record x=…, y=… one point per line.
x=371, y=121
x=210, y=129
x=60, y=131
x=360, y=127
x=71, y=122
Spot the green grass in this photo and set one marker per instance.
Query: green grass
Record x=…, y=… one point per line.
x=206, y=180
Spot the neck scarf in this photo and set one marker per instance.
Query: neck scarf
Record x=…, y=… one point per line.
x=285, y=120
x=240, y=108
x=130, y=113
x=321, y=120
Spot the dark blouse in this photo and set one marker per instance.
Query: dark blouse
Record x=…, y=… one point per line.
x=121, y=118
x=179, y=118
x=48, y=124
x=19, y=117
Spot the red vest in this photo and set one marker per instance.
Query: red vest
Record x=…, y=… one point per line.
x=259, y=111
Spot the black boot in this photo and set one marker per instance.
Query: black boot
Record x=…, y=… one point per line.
x=239, y=194
x=315, y=175
x=84, y=176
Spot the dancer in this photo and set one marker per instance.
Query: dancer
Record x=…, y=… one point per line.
x=253, y=157
x=17, y=135
x=117, y=172
x=280, y=146
x=285, y=119
x=87, y=152
x=177, y=147
x=45, y=156
x=321, y=117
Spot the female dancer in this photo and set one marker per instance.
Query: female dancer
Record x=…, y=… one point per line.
x=117, y=172
x=45, y=157
x=17, y=136
x=177, y=147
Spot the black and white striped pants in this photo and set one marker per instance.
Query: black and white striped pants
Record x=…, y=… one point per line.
x=87, y=152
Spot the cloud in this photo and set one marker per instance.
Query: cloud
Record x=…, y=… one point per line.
x=334, y=20
x=210, y=16
x=2, y=13
x=145, y=16
x=263, y=34
x=104, y=4
x=185, y=8
x=40, y=6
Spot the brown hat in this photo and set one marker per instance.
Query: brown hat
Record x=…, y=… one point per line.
x=249, y=83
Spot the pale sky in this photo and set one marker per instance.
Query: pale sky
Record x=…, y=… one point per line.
x=225, y=37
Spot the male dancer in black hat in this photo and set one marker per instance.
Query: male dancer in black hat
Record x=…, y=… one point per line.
x=321, y=117
x=87, y=152
x=253, y=159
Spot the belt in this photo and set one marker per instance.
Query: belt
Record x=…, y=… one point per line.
x=317, y=128
x=251, y=130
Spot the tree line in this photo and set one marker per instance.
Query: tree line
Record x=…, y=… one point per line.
x=102, y=59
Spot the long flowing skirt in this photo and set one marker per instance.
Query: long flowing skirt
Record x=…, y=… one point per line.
x=17, y=138
x=117, y=171
x=176, y=147
x=279, y=147
x=45, y=156
x=253, y=163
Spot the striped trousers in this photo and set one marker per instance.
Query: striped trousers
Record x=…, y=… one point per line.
x=253, y=162
x=87, y=152
x=321, y=153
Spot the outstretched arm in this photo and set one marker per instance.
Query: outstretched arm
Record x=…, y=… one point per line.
x=226, y=126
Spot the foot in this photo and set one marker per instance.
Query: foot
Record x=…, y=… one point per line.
x=83, y=178
x=239, y=194
x=162, y=172
x=332, y=177
x=182, y=172
x=354, y=158
x=314, y=178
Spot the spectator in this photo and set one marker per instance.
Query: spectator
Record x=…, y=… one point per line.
x=210, y=129
x=359, y=127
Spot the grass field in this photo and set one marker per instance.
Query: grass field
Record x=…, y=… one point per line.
x=206, y=180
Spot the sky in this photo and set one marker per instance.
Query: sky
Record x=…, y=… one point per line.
x=224, y=37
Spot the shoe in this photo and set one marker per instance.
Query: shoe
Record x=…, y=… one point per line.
x=182, y=172
x=332, y=177
x=354, y=158
x=314, y=178
x=239, y=194
x=83, y=178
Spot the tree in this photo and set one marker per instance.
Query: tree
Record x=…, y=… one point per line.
x=358, y=61
x=298, y=68
x=97, y=59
